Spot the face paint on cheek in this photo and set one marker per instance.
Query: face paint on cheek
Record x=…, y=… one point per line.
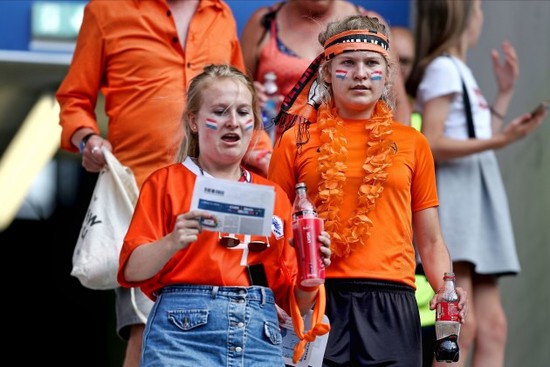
x=376, y=75
x=249, y=125
x=212, y=124
x=340, y=74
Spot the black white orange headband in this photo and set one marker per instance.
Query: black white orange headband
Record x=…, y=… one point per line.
x=300, y=104
x=356, y=40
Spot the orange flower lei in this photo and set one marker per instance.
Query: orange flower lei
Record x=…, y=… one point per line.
x=332, y=165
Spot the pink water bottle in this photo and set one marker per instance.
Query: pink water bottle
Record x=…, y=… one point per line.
x=306, y=227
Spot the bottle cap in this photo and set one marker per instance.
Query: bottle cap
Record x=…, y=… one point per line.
x=449, y=275
x=271, y=76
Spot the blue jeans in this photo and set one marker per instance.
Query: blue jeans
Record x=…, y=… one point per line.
x=195, y=326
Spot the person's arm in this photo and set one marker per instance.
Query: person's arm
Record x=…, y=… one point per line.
x=435, y=114
x=432, y=249
x=252, y=35
x=435, y=257
x=77, y=94
x=148, y=259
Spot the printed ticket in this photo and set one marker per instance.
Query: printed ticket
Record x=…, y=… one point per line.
x=239, y=207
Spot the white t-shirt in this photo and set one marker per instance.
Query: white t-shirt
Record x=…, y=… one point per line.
x=442, y=77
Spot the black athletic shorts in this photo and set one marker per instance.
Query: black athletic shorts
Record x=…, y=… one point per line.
x=372, y=323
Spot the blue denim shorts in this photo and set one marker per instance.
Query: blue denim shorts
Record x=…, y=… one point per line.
x=195, y=326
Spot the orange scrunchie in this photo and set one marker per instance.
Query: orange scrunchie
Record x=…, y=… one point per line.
x=317, y=329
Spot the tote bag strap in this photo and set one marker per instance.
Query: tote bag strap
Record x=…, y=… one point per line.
x=123, y=176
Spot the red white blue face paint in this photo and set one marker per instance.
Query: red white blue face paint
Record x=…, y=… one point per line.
x=341, y=74
x=248, y=125
x=212, y=124
x=376, y=75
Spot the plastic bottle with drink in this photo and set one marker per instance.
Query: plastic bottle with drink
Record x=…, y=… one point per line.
x=269, y=111
x=447, y=322
x=306, y=227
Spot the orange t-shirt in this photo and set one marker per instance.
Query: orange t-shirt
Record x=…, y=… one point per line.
x=389, y=252
x=167, y=193
x=130, y=51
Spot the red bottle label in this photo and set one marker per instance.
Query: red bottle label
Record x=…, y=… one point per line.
x=447, y=311
x=310, y=265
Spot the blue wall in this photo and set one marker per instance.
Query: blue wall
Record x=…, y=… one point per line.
x=15, y=21
x=15, y=17
x=396, y=12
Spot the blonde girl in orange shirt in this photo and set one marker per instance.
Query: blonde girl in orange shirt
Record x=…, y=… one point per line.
x=208, y=311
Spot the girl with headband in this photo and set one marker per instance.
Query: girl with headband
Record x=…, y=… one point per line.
x=375, y=183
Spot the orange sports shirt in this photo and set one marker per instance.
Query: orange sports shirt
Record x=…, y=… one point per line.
x=168, y=193
x=130, y=51
x=389, y=252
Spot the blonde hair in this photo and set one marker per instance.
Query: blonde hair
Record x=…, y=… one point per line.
x=189, y=146
x=347, y=24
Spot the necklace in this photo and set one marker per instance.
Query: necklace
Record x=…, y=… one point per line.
x=332, y=166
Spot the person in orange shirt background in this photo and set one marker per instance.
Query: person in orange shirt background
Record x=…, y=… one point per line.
x=210, y=308
x=375, y=183
x=282, y=39
x=141, y=55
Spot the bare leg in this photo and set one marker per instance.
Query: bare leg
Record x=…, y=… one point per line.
x=133, y=348
x=491, y=332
